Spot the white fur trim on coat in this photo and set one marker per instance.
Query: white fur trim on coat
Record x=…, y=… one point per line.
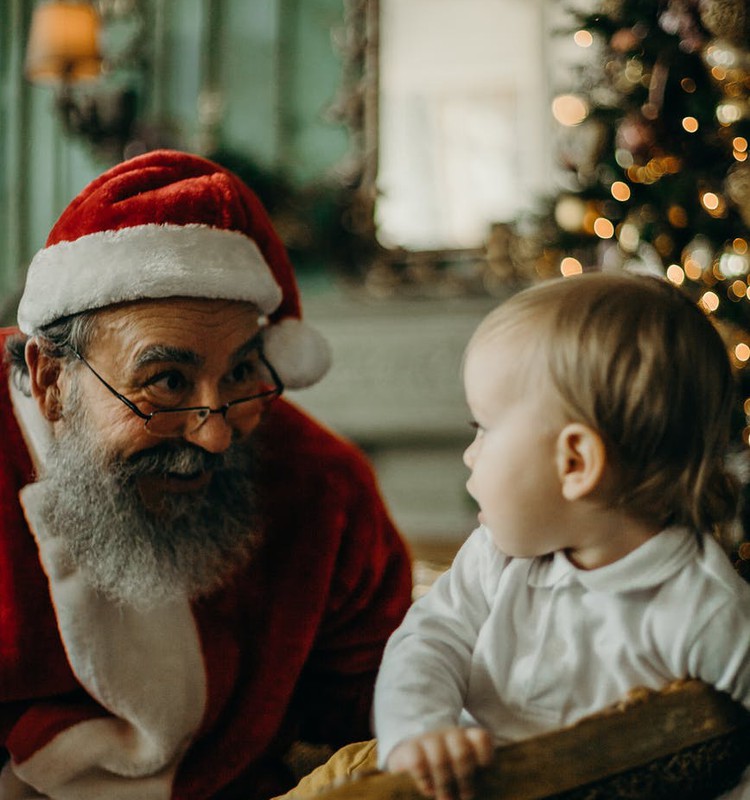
x=145, y=261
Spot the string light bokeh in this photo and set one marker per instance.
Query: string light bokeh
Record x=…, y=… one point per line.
x=662, y=96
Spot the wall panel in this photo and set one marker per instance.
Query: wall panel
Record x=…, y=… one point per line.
x=270, y=62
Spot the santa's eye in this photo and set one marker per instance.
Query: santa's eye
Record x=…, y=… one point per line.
x=244, y=372
x=167, y=388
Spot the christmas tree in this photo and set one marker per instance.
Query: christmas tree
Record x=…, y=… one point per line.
x=654, y=145
x=656, y=156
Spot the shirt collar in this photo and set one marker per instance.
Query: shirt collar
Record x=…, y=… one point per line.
x=655, y=561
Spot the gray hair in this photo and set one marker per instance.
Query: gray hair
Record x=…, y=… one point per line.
x=57, y=339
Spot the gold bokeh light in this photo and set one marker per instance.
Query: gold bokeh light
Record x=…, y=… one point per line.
x=569, y=109
x=620, y=191
x=570, y=266
x=710, y=301
x=690, y=124
x=693, y=269
x=603, y=228
x=710, y=201
x=676, y=274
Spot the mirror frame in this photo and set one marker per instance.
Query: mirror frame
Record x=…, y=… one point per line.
x=489, y=268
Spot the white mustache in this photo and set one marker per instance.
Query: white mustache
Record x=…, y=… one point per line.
x=179, y=460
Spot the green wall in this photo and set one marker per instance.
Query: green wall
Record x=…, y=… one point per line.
x=271, y=62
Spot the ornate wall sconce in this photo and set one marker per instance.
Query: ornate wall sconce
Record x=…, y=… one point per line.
x=95, y=78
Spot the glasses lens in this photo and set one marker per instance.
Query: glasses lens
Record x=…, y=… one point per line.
x=252, y=378
x=255, y=385
x=246, y=410
x=175, y=423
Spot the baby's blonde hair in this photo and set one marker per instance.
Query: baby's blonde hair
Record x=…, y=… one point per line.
x=637, y=361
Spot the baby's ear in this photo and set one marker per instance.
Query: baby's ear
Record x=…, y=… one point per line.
x=581, y=459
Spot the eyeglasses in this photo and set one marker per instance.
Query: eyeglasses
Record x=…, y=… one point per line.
x=168, y=422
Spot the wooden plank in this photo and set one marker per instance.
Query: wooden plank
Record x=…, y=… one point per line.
x=644, y=728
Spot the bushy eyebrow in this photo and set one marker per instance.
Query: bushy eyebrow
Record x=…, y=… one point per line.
x=162, y=353
x=244, y=349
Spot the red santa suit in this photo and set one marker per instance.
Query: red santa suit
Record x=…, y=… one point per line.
x=200, y=699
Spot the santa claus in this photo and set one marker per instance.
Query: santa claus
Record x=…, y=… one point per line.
x=194, y=575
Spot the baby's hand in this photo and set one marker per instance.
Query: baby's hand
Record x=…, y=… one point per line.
x=443, y=762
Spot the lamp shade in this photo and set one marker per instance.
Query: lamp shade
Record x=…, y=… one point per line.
x=63, y=43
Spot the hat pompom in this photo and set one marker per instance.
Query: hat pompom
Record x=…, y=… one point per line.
x=299, y=354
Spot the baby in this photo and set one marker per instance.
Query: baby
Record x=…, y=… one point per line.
x=602, y=407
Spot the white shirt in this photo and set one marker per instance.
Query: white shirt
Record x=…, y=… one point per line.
x=526, y=646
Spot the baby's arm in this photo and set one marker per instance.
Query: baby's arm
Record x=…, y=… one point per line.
x=423, y=680
x=443, y=762
x=720, y=656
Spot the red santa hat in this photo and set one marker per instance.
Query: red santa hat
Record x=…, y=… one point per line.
x=170, y=224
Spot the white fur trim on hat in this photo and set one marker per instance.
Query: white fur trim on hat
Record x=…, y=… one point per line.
x=145, y=262
x=297, y=352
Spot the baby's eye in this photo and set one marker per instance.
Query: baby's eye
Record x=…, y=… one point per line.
x=476, y=427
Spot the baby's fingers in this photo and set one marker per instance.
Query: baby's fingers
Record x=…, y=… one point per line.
x=412, y=757
x=483, y=746
x=443, y=762
x=467, y=749
x=440, y=777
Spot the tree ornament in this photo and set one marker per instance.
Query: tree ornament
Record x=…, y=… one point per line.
x=734, y=263
x=727, y=19
x=612, y=8
x=680, y=18
x=569, y=212
x=737, y=186
x=656, y=87
x=624, y=41
x=636, y=135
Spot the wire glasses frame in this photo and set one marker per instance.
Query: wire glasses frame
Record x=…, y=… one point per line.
x=168, y=422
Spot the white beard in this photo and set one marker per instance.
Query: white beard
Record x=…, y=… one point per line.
x=190, y=547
